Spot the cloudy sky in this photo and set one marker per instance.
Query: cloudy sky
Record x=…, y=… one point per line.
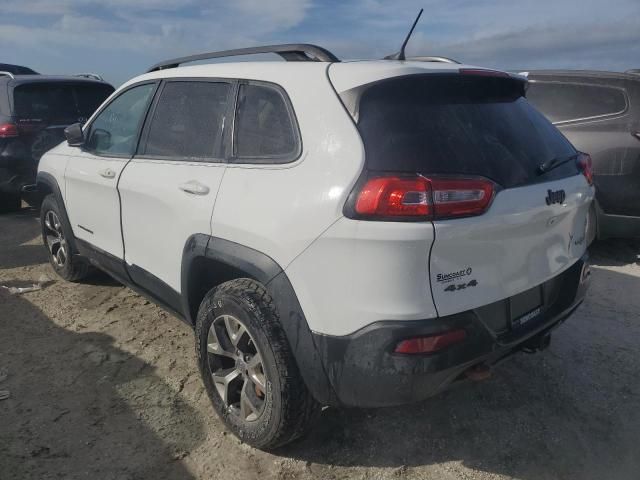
x=121, y=38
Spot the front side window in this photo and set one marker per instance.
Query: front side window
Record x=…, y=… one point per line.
x=115, y=130
x=188, y=121
x=563, y=102
x=264, y=126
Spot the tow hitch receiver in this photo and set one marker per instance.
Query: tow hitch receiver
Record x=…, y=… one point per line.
x=537, y=343
x=478, y=373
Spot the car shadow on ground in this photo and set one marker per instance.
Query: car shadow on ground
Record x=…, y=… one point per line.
x=21, y=240
x=615, y=252
x=572, y=411
x=79, y=407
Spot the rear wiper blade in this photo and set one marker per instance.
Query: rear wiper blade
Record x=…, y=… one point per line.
x=544, y=167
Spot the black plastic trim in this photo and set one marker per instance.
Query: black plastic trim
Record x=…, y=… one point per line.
x=254, y=264
x=364, y=371
x=141, y=282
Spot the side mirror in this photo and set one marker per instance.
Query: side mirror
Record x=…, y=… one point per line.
x=75, y=137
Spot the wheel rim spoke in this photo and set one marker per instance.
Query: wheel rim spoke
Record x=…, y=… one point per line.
x=235, y=329
x=52, y=242
x=236, y=368
x=222, y=381
x=214, y=345
x=248, y=409
x=54, y=238
x=256, y=372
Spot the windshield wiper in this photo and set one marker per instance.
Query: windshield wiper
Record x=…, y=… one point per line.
x=549, y=165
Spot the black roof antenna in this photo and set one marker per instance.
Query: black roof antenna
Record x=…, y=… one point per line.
x=400, y=55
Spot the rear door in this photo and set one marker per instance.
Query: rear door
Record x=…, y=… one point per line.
x=455, y=125
x=169, y=188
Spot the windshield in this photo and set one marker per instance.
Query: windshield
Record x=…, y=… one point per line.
x=456, y=124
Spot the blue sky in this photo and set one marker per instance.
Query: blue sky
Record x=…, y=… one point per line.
x=121, y=38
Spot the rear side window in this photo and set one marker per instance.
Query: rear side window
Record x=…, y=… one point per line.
x=264, y=126
x=188, y=121
x=452, y=124
x=562, y=102
x=58, y=102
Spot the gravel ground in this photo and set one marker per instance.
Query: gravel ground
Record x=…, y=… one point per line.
x=104, y=385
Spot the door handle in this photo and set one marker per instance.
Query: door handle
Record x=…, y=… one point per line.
x=107, y=173
x=194, y=187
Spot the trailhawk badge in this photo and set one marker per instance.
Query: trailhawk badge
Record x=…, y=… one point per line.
x=447, y=277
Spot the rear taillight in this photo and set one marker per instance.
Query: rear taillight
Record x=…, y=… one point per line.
x=392, y=197
x=585, y=165
x=464, y=197
x=8, y=130
x=430, y=344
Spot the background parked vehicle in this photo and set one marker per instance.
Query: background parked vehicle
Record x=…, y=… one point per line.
x=34, y=111
x=599, y=112
x=16, y=69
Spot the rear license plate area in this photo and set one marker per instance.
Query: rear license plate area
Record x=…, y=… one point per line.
x=525, y=308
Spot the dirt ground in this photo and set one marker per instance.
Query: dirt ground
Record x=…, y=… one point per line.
x=104, y=385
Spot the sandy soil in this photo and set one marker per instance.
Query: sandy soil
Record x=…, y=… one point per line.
x=104, y=385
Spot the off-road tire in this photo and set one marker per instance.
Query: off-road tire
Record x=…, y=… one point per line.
x=75, y=268
x=289, y=408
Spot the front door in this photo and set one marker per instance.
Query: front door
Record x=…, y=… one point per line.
x=92, y=174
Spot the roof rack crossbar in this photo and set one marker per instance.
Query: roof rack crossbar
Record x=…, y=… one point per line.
x=433, y=59
x=6, y=74
x=292, y=52
x=93, y=76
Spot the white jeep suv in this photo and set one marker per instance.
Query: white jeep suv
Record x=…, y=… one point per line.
x=337, y=233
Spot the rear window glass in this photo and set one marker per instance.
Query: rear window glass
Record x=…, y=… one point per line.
x=459, y=125
x=188, y=120
x=264, y=127
x=562, y=102
x=58, y=102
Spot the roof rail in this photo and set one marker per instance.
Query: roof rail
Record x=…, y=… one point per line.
x=291, y=52
x=6, y=74
x=433, y=59
x=93, y=76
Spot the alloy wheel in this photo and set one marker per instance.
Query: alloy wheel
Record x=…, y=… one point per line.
x=56, y=242
x=236, y=367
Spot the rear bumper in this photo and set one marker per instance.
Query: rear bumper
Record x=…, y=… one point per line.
x=364, y=371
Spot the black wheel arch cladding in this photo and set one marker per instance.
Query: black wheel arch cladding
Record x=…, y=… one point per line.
x=247, y=262
x=47, y=183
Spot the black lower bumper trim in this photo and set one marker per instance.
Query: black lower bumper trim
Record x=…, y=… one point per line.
x=365, y=372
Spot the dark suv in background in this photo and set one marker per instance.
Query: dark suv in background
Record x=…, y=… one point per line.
x=34, y=111
x=599, y=112
x=16, y=69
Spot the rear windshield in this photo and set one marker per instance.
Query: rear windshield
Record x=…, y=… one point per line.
x=454, y=124
x=67, y=103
